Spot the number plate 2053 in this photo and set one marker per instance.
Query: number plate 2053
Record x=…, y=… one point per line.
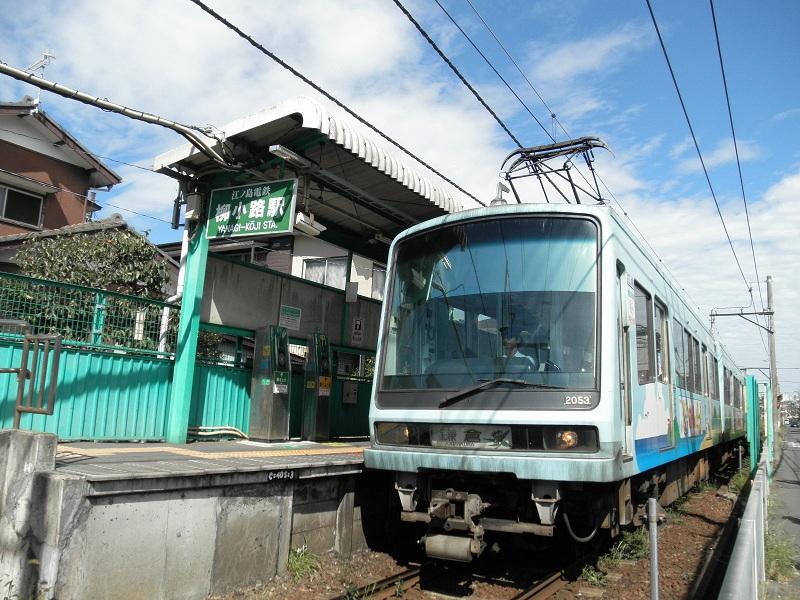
x=477, y=437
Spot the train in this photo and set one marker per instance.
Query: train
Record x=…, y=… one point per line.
x=539, y=372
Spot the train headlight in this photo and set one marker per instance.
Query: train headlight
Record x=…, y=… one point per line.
x=393, y=434
x=566, y=439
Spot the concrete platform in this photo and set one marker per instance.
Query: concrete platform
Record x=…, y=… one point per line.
x=112, y=461
x=129, y=520
x=784, y=513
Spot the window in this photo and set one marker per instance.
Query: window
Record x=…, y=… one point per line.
x=737, y=393
x=713, y=377
x=378, y=281
x=697, y=369
x=22, y=207
x=705, y=371
x=688, y=348
x=727, y=389
x=327, y=271
x=680, y=355
x=643, y=304
x=662, y=343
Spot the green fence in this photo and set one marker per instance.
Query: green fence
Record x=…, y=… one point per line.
x=88, y=317
x=116, y=365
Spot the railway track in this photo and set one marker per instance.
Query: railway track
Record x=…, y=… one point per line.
x=397, y=585
x=390, y=587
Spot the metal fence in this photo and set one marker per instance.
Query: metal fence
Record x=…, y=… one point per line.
x=87, y=317
x=747, y=565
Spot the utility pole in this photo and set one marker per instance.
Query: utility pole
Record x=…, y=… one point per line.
x=773, y=366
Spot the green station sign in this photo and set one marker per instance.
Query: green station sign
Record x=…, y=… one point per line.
x=265, y=208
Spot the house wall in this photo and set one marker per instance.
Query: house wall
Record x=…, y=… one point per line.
x=59, y=209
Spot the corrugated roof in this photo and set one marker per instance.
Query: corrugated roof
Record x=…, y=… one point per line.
x=283, y=123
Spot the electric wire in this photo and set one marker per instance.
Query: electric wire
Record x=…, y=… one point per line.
x=521, y=72
x=694, y=139
x=327, y=95
x=738, y=161
x=496, y=72
x=455, y=70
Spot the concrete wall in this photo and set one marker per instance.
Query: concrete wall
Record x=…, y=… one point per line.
x=186, y=537
x=241, y=296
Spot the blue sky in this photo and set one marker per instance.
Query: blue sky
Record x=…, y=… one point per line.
x=598, y=65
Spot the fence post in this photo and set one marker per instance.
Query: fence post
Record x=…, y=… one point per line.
x=652, y=522
x=99, y=319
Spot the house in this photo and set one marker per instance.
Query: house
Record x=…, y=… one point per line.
x=10, y=244
x=47, y=177
x=303, y=256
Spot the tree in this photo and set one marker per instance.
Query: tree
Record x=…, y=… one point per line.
x=114, y=259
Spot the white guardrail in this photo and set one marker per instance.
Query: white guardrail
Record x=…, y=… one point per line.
x=746, y=568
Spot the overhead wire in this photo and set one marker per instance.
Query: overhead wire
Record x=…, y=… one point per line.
x=521, y=72
x=564, y=129
x=496, y=72
x=738, y=162
x=203, y=6
x=694, y=139
x=455, y=70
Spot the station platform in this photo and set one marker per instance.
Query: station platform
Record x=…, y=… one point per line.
x=168, y=521
x=107, y=461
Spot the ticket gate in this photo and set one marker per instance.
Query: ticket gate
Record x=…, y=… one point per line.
x=269, y=405
x=317, y=392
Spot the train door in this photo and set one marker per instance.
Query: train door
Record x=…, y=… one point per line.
x=625, y=317
x=664, y=390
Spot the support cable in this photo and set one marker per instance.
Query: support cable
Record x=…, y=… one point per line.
x=694, y=139
x=455, y=70
x=327, y=95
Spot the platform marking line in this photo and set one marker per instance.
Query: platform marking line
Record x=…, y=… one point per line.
x=96, y=452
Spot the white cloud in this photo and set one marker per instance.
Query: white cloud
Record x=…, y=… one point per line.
x=724, y=153
x=590, y=55
x=792, y=113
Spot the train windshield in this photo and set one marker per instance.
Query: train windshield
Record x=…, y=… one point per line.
x=510, y=298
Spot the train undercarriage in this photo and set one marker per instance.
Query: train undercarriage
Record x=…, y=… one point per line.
x=464, y=513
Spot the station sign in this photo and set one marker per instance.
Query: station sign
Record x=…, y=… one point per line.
x=264, y=208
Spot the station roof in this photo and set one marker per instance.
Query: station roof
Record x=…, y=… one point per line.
x=361, y=192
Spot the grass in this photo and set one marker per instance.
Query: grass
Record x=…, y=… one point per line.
x=633, y=545
x=706, y=486
x=594, y=576
x=781, y=556
x=739, y=483
x=302, y=562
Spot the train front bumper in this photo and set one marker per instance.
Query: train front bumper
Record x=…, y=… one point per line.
x=603, y=466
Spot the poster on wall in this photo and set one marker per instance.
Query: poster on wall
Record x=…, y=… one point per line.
x=289, y=317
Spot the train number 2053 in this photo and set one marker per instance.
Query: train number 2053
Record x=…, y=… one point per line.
x=577, y=400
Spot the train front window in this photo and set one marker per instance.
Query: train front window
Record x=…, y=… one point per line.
x=504, y=298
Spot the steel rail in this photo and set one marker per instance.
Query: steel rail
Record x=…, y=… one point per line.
x=385, y=588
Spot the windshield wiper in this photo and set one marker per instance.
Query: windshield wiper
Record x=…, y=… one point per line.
x=489, y=383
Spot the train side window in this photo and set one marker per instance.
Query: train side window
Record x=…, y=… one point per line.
x=726, y=390
x=705, y=371
x=697, y=368
x=680, y=354
x=689, y=361
x=661, y=332
x=643, y=304
x=714, y=377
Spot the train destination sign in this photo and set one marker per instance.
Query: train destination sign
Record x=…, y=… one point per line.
x=265, y=208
